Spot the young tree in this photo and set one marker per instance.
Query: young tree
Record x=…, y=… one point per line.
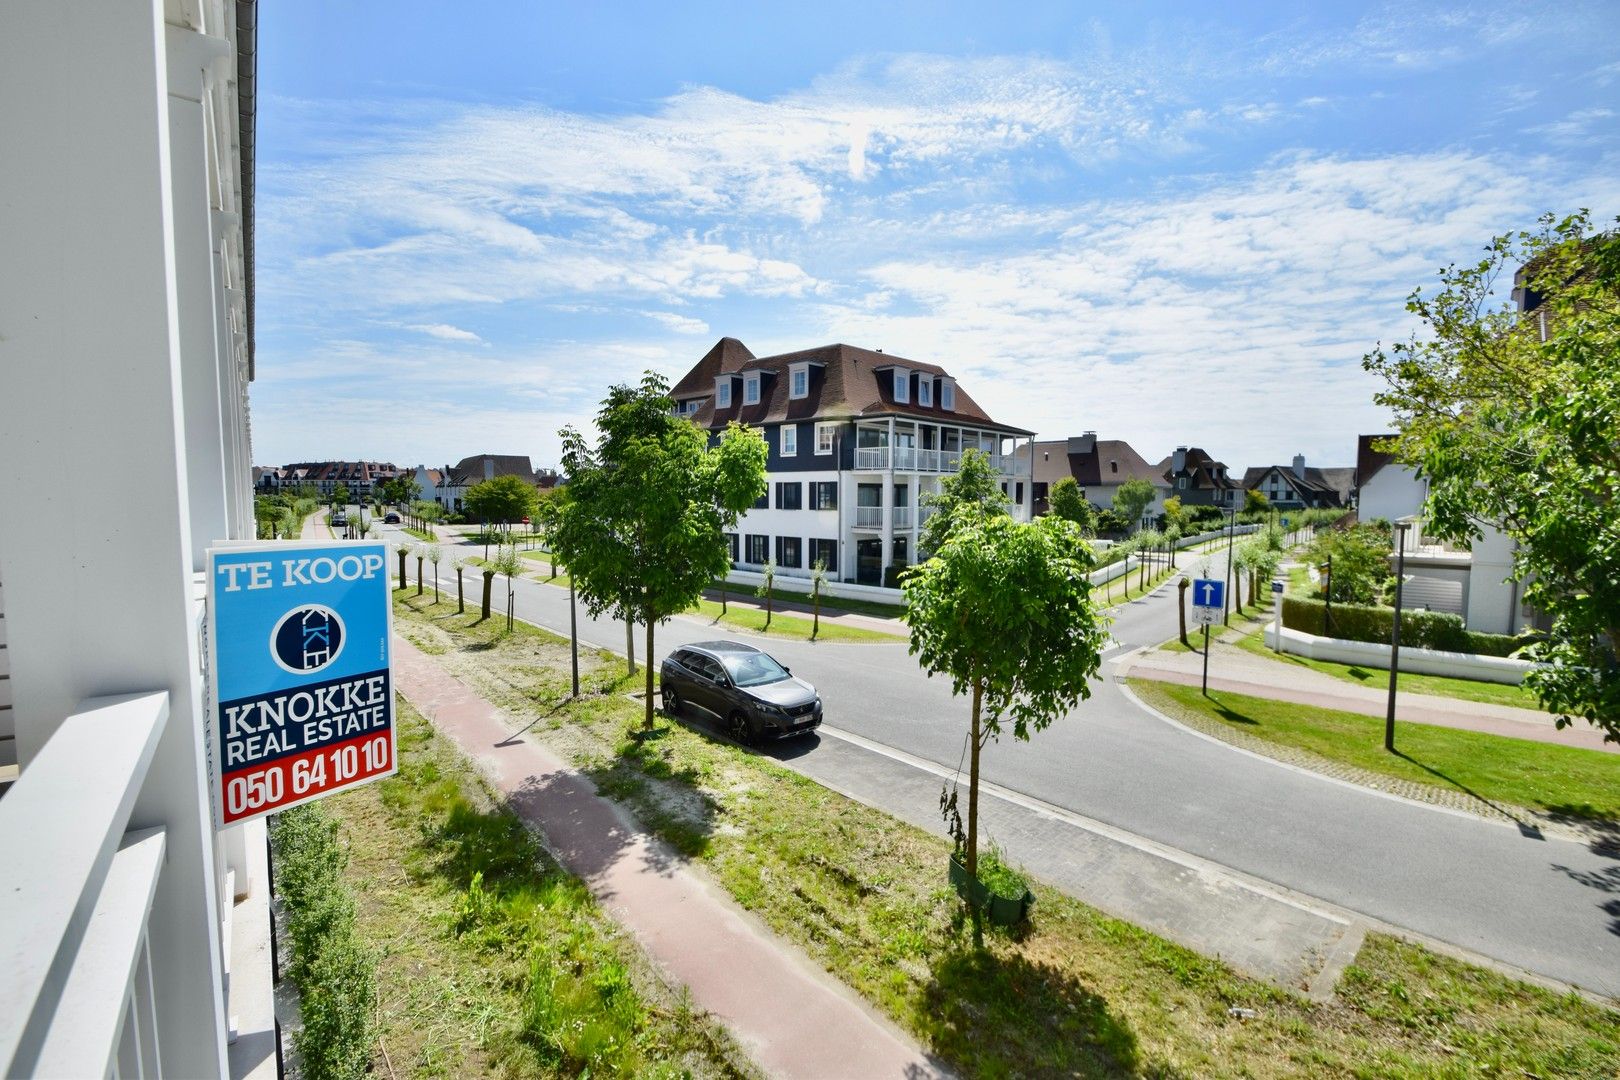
x=340, y=495
x=1005, y=610
x=1132, y=499
x=972, y=493
x=1067, y=501
x=1172, y=537
x=458, y=564
x=420, y=552
x=1255, y=502
x=1512, y=418
x=818, y=581
x=1147, y=543
x=1174, y=515
x=402, y=549
x=767, y=589
x=643, y=530
x=434, y=554
x=509, y=564
x=502, y=499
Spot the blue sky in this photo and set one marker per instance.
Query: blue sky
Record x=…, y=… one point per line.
x=1164, y=224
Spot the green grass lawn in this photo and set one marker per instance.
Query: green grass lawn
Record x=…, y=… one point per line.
x=874, y=608
x=421, y=534
x=1558, y=779
x=1078, y=993
x=1439, y=685
x=795, y=625
x=492, y=959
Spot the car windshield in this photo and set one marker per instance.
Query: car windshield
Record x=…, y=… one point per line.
x=752, y=669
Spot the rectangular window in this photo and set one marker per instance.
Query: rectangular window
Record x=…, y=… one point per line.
x=751, y=390
x=764, y=500
x=824, y=495
x=787, y=551
x=759, y=549
x=902, y=386
x=925, y=390
x=790, y=440
x=790, y=495
x=801, y=383
x=722, y=394
x=947, y=397
x=731, y=546
x=826, y=553
x=825, y=433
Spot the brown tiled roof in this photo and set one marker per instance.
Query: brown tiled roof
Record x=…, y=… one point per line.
x=505, y=465
x=728, y=354
x=1329, y=483
x=1369, y=460
x=843, y=384
x=1201, y=468
x=1094, y=469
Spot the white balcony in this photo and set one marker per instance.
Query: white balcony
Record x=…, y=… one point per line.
x=912, y=459
x=73, y=922
x=871, y=517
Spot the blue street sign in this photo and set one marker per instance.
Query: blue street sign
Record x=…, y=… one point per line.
x=301, y=699
x=1208, y=593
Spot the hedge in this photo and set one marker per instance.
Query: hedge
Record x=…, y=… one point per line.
x=335, y=975
x=1419, y=628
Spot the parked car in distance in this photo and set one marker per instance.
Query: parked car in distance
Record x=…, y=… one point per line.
x=390, y=518
x=749, y=692
x=340, y=520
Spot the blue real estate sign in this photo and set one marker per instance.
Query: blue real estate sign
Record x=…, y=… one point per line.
x=302, y=700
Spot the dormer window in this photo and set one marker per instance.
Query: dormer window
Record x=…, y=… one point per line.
x=947, y=395
x=751, y=389
x=799, y=381
x=925, y=391
x=722, y=393
x=902, y=385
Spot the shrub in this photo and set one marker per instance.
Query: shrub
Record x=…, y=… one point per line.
x=335, y=976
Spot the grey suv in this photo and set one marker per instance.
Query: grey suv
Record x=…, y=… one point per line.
x=753, y=695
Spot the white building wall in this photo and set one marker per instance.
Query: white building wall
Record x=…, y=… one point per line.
x=1394, y=491
x=1492, y=598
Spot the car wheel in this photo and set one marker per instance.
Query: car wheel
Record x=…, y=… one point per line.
x=738, y=727
x=672, y=700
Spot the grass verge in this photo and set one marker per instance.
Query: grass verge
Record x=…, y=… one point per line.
x=1438, y=685
x=491, y=958
x=854, y=606
x=1078, y=993
x=796, y=625
x=1561, y=780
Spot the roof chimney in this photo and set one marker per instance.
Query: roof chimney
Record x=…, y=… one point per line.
x=1179, y=461
x=489, y=468
x=1299, y=466
x=1083, y=444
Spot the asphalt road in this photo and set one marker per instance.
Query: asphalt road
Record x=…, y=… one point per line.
x=1545, y=904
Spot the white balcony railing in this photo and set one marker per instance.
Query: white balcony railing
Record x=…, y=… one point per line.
x=902, y=517
x=869, y=517
x=912, y=459
x=77, y=994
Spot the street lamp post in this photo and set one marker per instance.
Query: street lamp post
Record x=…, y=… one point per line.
x=573, y=632
x=1395, y=633
x=1226, y=595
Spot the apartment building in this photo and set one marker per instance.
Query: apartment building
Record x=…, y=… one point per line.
x=857, y=438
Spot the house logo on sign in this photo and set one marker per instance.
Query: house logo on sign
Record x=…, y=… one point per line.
x=307, y=639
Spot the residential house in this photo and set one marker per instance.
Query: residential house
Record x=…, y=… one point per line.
x=856, y=439
x=1472, y=582
x=1099, y=466
x=135, y=933
x=1199, y=480
x=327, y=476
x=449, y=484
x=1301, y=487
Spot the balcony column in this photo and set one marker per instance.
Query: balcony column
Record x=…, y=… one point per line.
x=888, y=503
x=93, y=390
x=1029, y=481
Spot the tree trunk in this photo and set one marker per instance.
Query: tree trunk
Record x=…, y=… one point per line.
x=815, y=627
x=723, y=596
x=769, y=597
x=1181, y=609
x=461, y=597
x=511, y=604
x=401, y=571
x=435, y=584
x=973, y=815
x=489, y=584
x=419, y=575
x=647, y=715
x=630, y=644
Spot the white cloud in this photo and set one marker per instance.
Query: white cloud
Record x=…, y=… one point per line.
x=444, y=332
x=680, y=324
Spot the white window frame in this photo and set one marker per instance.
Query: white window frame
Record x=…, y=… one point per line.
x=751, y=390
x=722, y=394
x=831, y=433
x=925, y=391
x=947, y=396
x=788, y=437
x=902, y=386
x=794, y=375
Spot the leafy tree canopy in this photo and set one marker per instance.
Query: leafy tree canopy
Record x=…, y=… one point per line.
x=1255, y=502
x=1361, y=572
x=973, y=493
x=1132, y=499
x=501, y=498
x=1067, y=501
x=1512, y=418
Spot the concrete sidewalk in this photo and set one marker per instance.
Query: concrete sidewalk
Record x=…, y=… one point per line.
x=792, y=1017
x=1239, y=671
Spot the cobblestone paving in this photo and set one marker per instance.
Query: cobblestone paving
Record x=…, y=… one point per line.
x=1451, y=798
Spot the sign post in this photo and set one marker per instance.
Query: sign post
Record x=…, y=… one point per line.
x=1276, y=619
x=1209, y=601
x=301, y=701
